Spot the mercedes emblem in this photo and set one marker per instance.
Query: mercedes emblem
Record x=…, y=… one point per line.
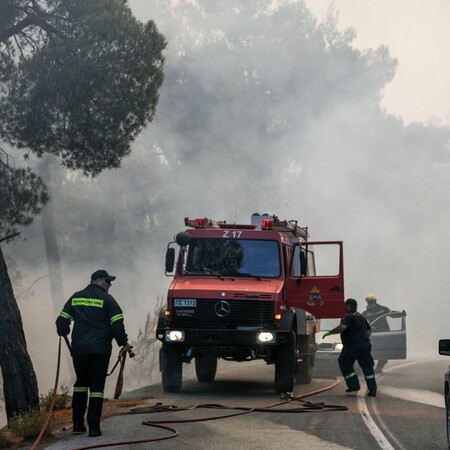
x=222, y=308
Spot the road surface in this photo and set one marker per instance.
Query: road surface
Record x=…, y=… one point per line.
x=408, y=413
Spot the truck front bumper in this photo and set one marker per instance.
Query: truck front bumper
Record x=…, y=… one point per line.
x=221, y=338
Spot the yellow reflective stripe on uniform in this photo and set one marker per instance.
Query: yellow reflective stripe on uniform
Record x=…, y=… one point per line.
x=369, y=377
x=350, y=375
x=96, y=302
x=96, y=395
x=80, y=389
x=65, y=315
x=116, y=318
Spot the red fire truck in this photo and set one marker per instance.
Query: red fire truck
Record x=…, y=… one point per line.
x=247, y=291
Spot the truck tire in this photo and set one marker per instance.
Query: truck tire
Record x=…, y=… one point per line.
x=285, y=366
x=205, y=368
x=171, y=369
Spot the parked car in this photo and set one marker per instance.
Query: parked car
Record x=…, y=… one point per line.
x=385, y=344
x=444, y=349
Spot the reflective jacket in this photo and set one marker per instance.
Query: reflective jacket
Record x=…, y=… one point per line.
x=97, y=320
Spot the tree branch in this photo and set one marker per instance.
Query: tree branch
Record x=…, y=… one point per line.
x=10, y=236
x=30, y=20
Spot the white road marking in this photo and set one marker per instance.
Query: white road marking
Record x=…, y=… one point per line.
x=367, y=418
x=371, y=425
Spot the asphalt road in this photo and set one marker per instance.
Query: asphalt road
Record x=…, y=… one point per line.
x=408, y=413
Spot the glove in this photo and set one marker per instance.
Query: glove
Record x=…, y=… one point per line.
x=326, y=334
x=127, y=347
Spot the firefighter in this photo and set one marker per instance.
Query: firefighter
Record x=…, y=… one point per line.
x=355, y=334
x=97, y=320
x=372, y=313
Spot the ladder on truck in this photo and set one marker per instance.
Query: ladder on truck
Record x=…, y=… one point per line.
x=290, y=226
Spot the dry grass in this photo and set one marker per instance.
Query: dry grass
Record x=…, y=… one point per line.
x=62, y=420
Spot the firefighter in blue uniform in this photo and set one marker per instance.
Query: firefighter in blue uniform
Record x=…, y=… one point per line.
x=97, y=320
x=355, y=331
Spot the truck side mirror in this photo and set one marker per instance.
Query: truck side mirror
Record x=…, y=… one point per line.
x=170, y=260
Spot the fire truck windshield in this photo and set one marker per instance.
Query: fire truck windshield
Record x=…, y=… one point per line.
x=233, y=257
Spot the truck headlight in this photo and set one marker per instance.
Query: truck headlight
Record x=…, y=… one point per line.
x=265, y=337
x=174, y=336
x=338, y=347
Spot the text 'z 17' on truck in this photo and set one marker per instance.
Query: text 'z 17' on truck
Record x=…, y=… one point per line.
x=246, y=292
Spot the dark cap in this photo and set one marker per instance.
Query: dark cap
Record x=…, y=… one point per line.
x=352, y=302
x=102, y=274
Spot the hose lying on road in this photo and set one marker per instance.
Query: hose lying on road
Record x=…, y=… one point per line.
x=305, y=406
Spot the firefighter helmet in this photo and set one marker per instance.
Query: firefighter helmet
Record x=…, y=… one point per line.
x=371, y=298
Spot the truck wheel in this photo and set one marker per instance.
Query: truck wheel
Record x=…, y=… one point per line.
x=205, y=368
x=171, y=369
x=285, y=366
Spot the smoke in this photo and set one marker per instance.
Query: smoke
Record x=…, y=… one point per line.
x=263, y=109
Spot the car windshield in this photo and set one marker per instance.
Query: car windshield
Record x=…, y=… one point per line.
x=233, y=257
x=329, y=324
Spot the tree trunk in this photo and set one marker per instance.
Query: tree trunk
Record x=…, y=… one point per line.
x=51, y=244
x=19, y=379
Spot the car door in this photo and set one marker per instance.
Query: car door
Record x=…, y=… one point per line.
x=390, y=344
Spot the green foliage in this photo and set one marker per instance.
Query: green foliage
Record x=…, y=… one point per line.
x=62, y=399
x=78, y=79
x=28, y=425
x=22, y=195
x=86, y=93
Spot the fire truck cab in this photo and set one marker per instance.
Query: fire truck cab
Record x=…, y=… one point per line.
x=247, y=291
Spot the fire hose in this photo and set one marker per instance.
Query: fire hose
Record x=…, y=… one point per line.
x=120, y=359
x=304, y=406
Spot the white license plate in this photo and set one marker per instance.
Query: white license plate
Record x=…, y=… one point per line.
x=189, y=302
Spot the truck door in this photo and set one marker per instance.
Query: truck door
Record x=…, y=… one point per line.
x=315, y=278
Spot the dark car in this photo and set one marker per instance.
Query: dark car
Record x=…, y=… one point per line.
x=444, y=349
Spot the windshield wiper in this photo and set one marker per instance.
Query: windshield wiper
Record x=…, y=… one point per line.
x=203, y=272
x=248, y=275
x=207, y=271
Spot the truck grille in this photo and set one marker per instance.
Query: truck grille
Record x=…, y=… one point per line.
x=216, y=313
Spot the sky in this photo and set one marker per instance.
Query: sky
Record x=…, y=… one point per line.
x=418, y=36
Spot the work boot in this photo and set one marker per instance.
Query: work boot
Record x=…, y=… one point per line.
x=94, y=432
x=352, y=390
x=78, y=427
x=372, y=393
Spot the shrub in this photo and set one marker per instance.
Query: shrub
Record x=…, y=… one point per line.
x=28, y=425
x=62, y=400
